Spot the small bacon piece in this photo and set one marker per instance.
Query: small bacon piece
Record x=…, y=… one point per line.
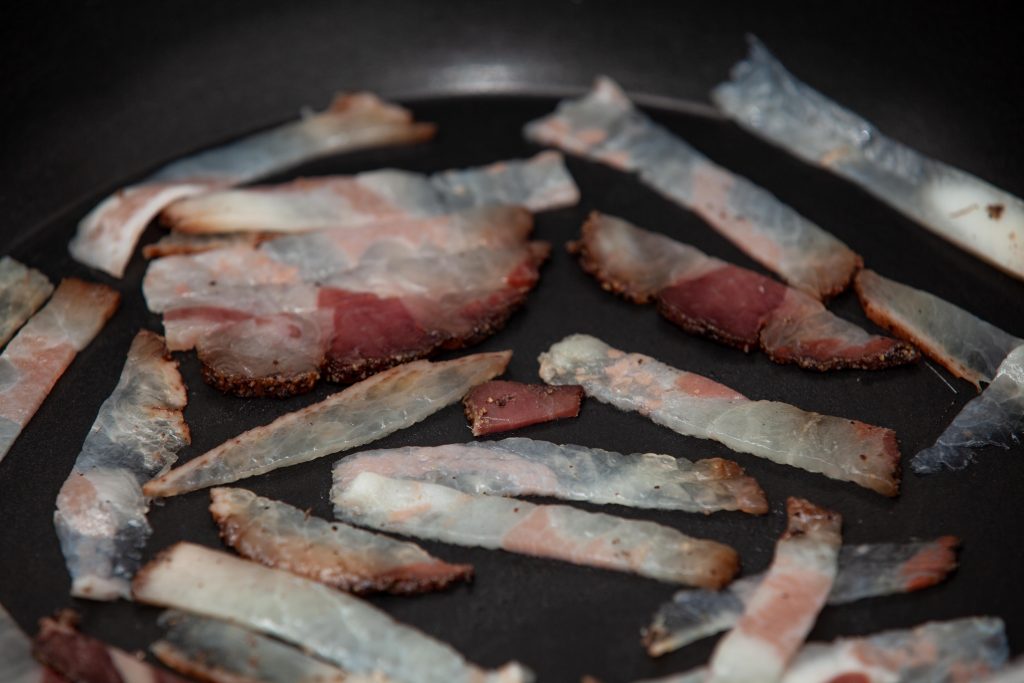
x=329, y=624
x=782, y=610
x=539, y=184
x=995, y=418
x=349, y=559
x=553, y=531
x=524, y=467
x=865, y=571
x=767, y=100
x=107, y=236
x=82, y=659
x=219, y=652
x=101, y=512
x=694, y=405
x=729, y=304
x=501, y=406
x=605, y=126
x=16, y=662
x=22, y=291
x=967, y=346
x=44, y=348
x=957, y=651
x=362, y=413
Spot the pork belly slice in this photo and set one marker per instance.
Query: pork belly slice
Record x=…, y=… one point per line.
x=101, y=511
x=107, y=236
x=539, y=184
x=958, y=650
x=79, y=658
x=524, y=467
x=349, y=559
x=361, y=414
x=781, y=611
x=693, y=405
x=17, y=665
x=334, y=626
x=770, y=102
x=501, y=405
x=729, y=304
x=22, y=291
x=560, y=532
x=967, y=346
x=865, y=571
x=44, y=348
x=605, y=126
x=219, y=652
x=279, y=339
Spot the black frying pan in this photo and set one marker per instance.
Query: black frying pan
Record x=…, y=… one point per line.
x=95, y=95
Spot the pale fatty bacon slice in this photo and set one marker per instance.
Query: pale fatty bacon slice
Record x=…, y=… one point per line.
x=538, y=184
x=606, y=127
x=693, y=405
x=22, y=291
x=727, y=303
x=107, y=236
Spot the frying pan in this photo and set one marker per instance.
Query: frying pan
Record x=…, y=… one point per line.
x=97, y=94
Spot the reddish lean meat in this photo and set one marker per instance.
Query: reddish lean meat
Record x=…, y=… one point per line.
x=500, y=406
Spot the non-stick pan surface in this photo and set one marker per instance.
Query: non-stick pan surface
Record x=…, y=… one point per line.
x=96, y=95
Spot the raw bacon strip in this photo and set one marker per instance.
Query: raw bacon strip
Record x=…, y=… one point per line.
x=524, y=467
x=554, y=531
x=539, y=184
x=82, y=659
x=329, y=624
x=605, y=126
x=694, y=405
x=733, y=305
x=995, y=418
x=967, y=346
x=22, y=291
x=16, y=662
x=219, y=652
x=333, y=553
x=500, y=405
x=770, y=102
x=360, y=414
x=865, y=571
x=782, y=610
x=101, y=512
x=107, y=235
x=315, y=257
x=44, y=348
x=954, y=651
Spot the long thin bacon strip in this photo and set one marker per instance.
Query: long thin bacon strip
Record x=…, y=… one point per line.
x=539, y=184
x=60, y=646
x=732, y=305
x=16, y=662
x=44, y=348
x=995, y=418
x=967, y=346
x=865, y=571
x=694, y=405
x=605, y=126
x=770, y=102
x=365, y=412
x=101, y=512
x=956, y=651
x=554, y=531
x=332, y=625
x=524, y=467
x=22, y=291
x=219, y=652
x=284, y=537
x=107, y=235
x=782, y=610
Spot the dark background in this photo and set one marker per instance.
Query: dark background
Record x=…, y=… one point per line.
x=93, y=95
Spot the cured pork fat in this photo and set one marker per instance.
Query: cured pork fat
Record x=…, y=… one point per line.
x=22, y=291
